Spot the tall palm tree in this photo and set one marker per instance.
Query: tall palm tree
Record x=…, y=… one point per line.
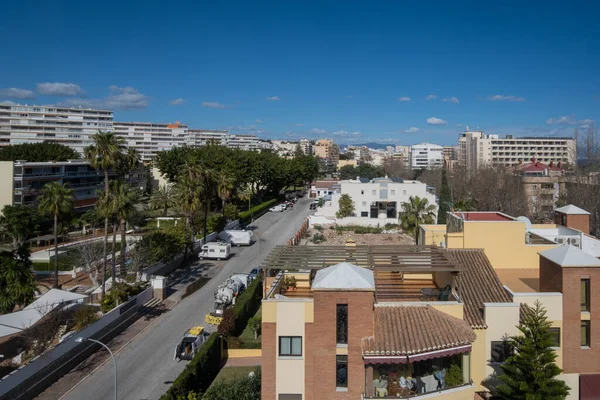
x=56, y=199
x=416, y=211
x=163, y=198
x=126, y=199
x=225, y=186
x=208, y=188
x=187, y=190
x=104, y=155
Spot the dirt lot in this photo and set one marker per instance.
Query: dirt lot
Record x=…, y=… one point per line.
x=335, y=237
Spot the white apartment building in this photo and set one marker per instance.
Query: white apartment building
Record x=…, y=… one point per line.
x=284, y=147
x=476, y=149
x=377, y=201
x=149, y=138
x=247, y=142
x=306, y=147
x=70, y=126
x=202, y=137
x=426, y=156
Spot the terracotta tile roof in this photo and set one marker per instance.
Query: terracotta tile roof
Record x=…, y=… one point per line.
x=523, y=310
x=478, y=284
x=327, y=184
x=407, y=330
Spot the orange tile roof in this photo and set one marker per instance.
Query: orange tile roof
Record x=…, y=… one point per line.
x=408, y=330
x=478, y=284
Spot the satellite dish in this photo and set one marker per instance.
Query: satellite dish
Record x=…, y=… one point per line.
x=527, y=223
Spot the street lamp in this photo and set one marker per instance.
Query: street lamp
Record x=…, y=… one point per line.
x=81, y=340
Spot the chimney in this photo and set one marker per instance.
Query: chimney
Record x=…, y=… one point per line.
x=551, y=163
x=533, y=160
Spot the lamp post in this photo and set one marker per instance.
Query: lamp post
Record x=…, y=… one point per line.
x=81, y=340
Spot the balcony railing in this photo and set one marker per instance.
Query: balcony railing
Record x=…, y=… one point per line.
x=413, y=395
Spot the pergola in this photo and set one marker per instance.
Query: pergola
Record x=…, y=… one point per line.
x=391, y=258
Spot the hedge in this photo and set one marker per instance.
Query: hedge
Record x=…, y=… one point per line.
x=247, y=304
x=254, y=211
x=200, y=372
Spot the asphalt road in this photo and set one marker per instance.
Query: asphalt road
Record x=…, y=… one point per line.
x=146, y=366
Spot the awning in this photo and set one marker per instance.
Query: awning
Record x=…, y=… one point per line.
x=386, y=360
x=439, y=353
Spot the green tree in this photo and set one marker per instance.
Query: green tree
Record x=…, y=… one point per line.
x=18, y=222
x=445, y=199
x=38, y=152
x=127, y=200
x=56, y=200
x=231, y=211
x=163, y=198
x=346, y=206
x=416, y=211
x=171, y=162
x=464, y=205
x=255, y=325
x=239, y=388
x=225, y=187
x=17, y=283
x=104, y=155
x=530, y=374
x=187, y=191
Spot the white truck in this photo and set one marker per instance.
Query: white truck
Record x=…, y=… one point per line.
x=237, y=237
x=190, y=343
x=215, y=251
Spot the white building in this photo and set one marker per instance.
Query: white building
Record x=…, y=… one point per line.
x=378, y=201
x=247, y=142
x=70, y=126
x=306, y=147
x=149, y=138
x=202, y=137
x=476, y=149
x=284, y=147
x=426, y=156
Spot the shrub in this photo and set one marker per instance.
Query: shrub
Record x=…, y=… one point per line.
x=216, y=223
x=85, y=316
x=120, y=293
x=255, y=325
x=247, y=304
x=454, y=376
x=318, y=238
x=318, y=227
x=391, y=226
x=256, y=210
x=231, y=211
x=243, y=387
x=227, y=325
x=332, y=227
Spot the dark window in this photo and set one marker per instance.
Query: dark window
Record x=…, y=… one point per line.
x=341, y=375
x=585, y=295
x=585, y=333
x=290, y=345
x=342, y=323
x=555, y=332
x=501, y=350
x=290, y=397
x=364, y=213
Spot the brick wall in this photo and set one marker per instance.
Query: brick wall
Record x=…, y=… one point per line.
x=550, y=276
x=323, y=342
x=309, y=364
x=269, y=358
x=576, y=359
x=575, y=221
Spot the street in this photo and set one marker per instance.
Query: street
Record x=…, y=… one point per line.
x=146, y=366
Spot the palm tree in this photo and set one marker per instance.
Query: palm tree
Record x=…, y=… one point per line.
x=104, y=155
x=416, y=211
x=464, y=205
x=56, y=199
x=126, y=200
x=225, y=186
x=208, y=185
x=187, y=190
x=163, y=198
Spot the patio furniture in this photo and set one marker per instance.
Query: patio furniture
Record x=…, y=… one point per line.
x=445, y=293
x=430, y=294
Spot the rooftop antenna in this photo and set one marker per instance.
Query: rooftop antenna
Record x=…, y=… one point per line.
x=467, y=126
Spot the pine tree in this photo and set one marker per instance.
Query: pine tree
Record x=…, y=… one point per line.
x=531, y=372
x=445, y=198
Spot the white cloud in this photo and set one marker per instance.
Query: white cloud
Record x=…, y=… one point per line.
x=501, y=97
x=404, y=98
x=242, y=128
x=60, y=89
x=212, y=104
x=564, y=120
x=16, y=93
x=300, y=125
x=451, y=100
x=340, y=133
x=431, y=97
x=120, y=98
x=176, y=102
x=412, y=129
x=586, y=121
x=436, y=121
x=318, y=131
x=260, y=121
x=273, y=98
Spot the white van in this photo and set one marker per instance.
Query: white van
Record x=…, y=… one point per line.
x=237, y=237
x=215, y=251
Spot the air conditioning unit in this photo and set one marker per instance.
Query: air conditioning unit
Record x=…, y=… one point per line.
x=574, y=242
x=560, y=240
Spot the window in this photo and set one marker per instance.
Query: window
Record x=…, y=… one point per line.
x=585, y=333
x=501, y=350
x=290, y=346
x=585, y=294
x=392, y=192
x=555, y=332
x=342, y=324
x=374, y=192
x=341, y=371
x=404, y=192
x=364, y=203
x=364, y=213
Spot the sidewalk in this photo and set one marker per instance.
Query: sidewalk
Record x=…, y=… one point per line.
x=80, y=372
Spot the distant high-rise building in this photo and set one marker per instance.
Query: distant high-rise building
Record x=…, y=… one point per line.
x=70, y=126
x=426, y=156
x=328, y=152
x=476, y=149
x=201, y=137
x=149, y=138
x=306, y=147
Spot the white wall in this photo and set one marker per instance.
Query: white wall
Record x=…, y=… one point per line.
x=426, y=156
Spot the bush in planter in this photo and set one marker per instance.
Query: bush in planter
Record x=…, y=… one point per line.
x=227, y=325
x=85, y=316
x=454, y=376
x=120, y=293
x=318, y=238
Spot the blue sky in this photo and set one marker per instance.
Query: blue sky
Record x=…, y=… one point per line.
x=393, y=72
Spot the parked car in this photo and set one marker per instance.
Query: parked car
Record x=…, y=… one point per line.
x=313, y=205
x=254, y=273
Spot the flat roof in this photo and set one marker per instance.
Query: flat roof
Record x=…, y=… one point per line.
x=520, y=280
x=482, y=216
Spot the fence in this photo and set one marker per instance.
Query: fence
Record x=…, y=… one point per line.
x=298, y=235
x=33, y=378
